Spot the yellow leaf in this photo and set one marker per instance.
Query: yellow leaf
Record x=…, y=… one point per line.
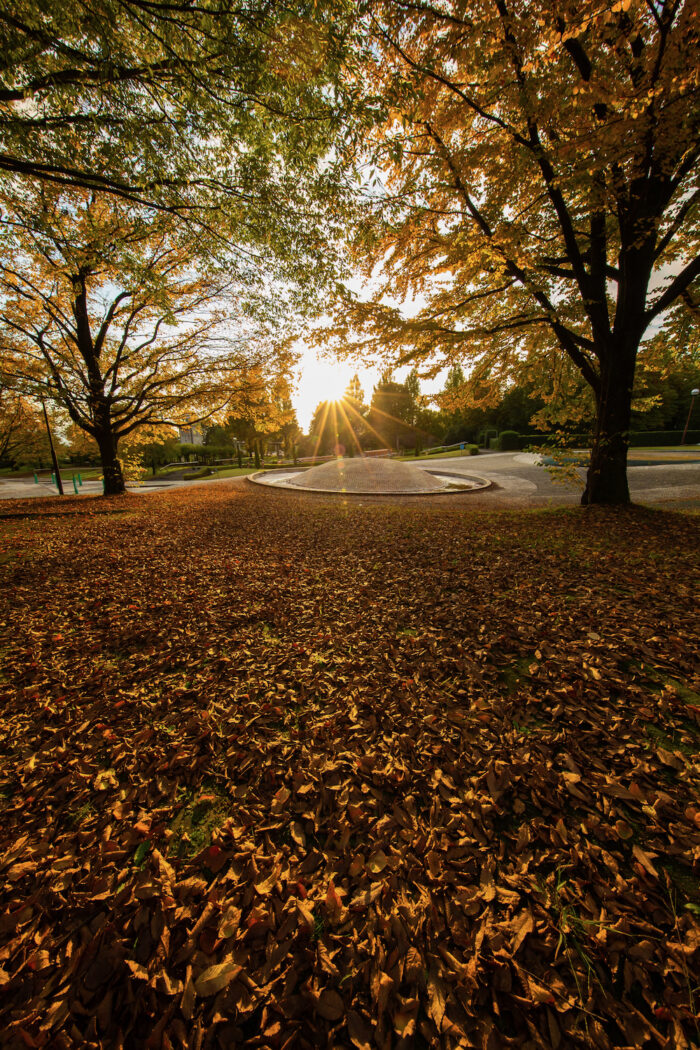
x=214, y=978
x=377, y=862
x=297, y=833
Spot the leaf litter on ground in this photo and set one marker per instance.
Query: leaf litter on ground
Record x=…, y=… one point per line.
x=303, y=772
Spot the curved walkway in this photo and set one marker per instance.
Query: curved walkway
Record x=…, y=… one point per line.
x=521, y=481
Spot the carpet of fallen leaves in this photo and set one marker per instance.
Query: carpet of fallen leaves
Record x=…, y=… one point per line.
x=281, y=771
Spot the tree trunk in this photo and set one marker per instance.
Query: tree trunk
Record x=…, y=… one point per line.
x=606, y=482
x=111, y=467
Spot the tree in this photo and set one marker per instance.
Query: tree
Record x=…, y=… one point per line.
x=220, y=115
x=666, y=376
x=156, y=101
x=540, y=169
x=263, y=411
x=341, y=423
x=289, y=430
x=81, y=448
x=354, y=392
x=114, y=317
x=324, y=428
x=390, y=412
x=412, y=387
x=162, y=448
x=22, y=431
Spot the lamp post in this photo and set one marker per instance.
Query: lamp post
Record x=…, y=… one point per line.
x=54, y=458
x=693, y=394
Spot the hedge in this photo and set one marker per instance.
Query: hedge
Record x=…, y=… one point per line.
x=663, y=437
x=508, y=441
x=637, y=439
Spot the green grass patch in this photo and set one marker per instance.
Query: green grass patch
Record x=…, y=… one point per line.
x=202, y=812
x=438, y=455
x=685, y=739
x=210, y=473
x=514, y=674
x=235, y=472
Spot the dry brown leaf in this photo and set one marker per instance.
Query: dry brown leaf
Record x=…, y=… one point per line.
x=330, y=1005
x=359, y=1031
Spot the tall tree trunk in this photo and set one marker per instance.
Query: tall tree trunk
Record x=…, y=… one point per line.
x=606, y=482
x=100, y=408
x=111, y=467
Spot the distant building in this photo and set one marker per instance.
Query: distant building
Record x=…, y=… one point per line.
x=193, y=435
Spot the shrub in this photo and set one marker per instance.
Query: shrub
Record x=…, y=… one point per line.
x=663, y=437
x=508, y=441
x=637, y=439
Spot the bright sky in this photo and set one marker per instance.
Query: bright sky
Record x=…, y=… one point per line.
x=321, y=379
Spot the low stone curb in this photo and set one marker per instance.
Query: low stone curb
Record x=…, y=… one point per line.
x=477, y=483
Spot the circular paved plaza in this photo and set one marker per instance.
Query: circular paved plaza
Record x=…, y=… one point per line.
x=364, y=476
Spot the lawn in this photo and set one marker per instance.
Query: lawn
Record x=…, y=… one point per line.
x=234, y=472
x=287, y=771
x=435, y=455
x=229, y=472
x=45, y=475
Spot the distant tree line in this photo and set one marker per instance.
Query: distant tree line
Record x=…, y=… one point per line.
x=401, y=418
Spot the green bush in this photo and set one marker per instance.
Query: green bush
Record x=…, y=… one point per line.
x=663, y=437
x=637, y=439
x=508, y=441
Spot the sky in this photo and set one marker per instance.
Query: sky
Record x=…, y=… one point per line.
x=321, y=379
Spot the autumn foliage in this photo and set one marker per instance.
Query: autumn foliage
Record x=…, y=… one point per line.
x=293, y=772
x=531, y=204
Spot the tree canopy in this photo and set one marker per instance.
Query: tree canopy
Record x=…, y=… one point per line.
x=220, y=114
x=114, y=317
x=536, y=194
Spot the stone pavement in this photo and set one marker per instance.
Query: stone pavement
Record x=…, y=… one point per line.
x=521, y=482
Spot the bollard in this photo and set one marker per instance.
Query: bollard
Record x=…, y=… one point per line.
x=80, y=480
x=75, y=485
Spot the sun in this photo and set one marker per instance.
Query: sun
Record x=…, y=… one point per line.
x=332, y=382
x=321, y=380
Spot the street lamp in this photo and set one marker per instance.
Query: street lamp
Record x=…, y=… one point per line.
x=54, y=458
x=693, y=394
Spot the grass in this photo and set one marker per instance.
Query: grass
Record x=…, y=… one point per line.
x=202, y=812
x=691, y=449
x=227, y=472
x=436, y=455
x=27, y=474
x=172, y=468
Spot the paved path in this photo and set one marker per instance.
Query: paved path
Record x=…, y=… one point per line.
x=518, y=482
x=19, y=489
